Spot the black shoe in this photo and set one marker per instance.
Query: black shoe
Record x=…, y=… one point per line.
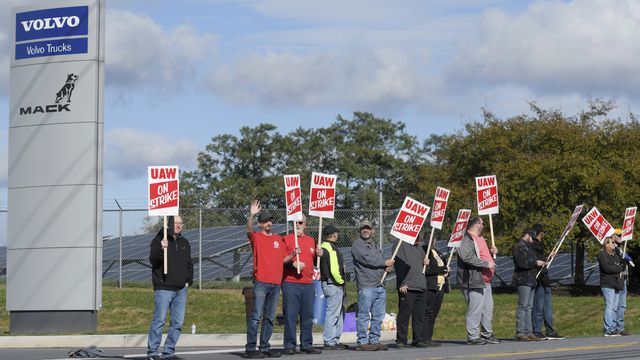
x=420, y=344
x=255, y=354
x=623, y=333
x=433, y=344
x=491, y=339
x=338, y=346
x=540, y=336
x=289, y=351
x=555, y=336
x=476, y=341
x=154, y=357
x=311, y=351
x=172, y=357
x=401, y=345
x=271, y=354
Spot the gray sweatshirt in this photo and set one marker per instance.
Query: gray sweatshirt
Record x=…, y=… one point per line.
x=368, y=262
x=408, y=267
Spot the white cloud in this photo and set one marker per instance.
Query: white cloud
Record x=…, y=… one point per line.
x=139, y=52
x=588, y=47
x=128, y=152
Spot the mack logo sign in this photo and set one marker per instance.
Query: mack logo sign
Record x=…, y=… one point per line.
x=52, y=23
x=63, y=95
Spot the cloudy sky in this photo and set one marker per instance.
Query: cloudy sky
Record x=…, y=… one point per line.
x=181, y=72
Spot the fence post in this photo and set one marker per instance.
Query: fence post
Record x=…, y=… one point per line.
x=200, y=248
x=120, y=245
x=380, y=223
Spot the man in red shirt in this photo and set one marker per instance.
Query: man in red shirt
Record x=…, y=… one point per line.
x=269, y=254
x=298, y=291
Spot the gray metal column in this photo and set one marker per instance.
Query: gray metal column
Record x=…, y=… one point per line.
x=54, y=245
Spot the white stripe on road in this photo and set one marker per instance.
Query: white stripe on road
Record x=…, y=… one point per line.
x=138, y=356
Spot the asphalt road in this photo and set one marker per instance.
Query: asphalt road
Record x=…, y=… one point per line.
x=627, y=347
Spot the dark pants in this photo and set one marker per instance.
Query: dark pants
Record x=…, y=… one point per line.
x=433, y=303
x=297, y=299
x=410, y=305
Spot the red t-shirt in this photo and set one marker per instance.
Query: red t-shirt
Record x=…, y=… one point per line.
x=307, y=247
x=485, y=254
x=268, y=253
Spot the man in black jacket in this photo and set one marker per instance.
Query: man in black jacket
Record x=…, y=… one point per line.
x=170, y=290
x=524, y=278
x=542, y=305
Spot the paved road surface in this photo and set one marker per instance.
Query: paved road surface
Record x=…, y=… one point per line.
x=627, y=347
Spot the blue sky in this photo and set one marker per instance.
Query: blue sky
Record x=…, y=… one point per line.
x=180, y=72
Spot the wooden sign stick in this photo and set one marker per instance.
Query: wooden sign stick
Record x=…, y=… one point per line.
x=493, y=242
x=453, y=250
x=295, y=237
x=395, y=252
x=319, y=241
x=166, y=267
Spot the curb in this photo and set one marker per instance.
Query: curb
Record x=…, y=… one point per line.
x=140, y=340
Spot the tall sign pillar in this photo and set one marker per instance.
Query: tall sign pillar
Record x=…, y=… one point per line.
x=54, y=230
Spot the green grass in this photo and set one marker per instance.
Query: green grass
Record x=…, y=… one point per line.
x=129, y=310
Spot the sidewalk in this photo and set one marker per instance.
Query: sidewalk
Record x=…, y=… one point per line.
x=140, y=340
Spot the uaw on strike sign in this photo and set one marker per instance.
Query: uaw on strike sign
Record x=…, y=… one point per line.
x=627, y=226
x=460, y=228
x=409, y=220
x=487, y=195
x=293, y=197
x=598, y=225
x=164, y=190
x=322, y=199
x=439, y=207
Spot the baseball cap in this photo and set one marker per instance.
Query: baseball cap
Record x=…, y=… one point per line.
x=618, y=231
x=329, y=229
x=365, y=223
x=538, y=228
x=264, y=216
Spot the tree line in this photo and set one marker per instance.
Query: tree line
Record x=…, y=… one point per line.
x=546, y=163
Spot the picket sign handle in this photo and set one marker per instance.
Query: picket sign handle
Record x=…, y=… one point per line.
x=426, y=256
x=493, y=242
x=395, y=252
x=166, y=267
x=624, y=249
x=319, y=241
x=549, y=258
x=295, y=237
x=453, y=250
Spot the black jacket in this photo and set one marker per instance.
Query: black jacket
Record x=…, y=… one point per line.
x=525, y=266
x=611, y=267
x=538, y=246
x=433, y=270
x=179, y=263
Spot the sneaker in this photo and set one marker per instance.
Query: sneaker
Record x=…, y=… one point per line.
x=255, y=354
x=338, y=346
x=476, y=341
x=624, y=333
x=154, y=357
x=289, y=351
x=172, y=357
x=420, y=344
x=311, y=351
x=533, y=338
x=366, y=347
x=491, y=339
x=380, y=346
x=401, y=345
x=523, y=338
x=271, y=354
x=433, y=344
x=540, y=336
x=555, y=336
x=611, y=334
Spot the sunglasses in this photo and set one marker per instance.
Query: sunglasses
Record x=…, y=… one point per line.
x=300, y=222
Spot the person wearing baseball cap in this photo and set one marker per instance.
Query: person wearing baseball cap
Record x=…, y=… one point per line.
x=370, y=265
x=622, y=301
x=332, y=280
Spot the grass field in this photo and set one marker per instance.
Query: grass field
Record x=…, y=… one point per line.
x=128, y=311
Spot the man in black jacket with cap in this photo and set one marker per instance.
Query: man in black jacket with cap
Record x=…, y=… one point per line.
x=170, y=289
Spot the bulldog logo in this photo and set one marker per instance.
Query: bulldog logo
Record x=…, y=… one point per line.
x=67, y=88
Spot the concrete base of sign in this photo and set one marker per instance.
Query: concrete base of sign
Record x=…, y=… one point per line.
x=52, y=322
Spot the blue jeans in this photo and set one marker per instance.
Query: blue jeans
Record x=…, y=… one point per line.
x=610, y=318
x=622, y=306
x=372, y=304
x=175, y=302
x=333, y=319
x=265, y=303
x=297, y=299
x=523, y=311
x=542, y=310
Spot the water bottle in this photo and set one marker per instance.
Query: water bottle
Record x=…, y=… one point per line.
x=193, y=328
